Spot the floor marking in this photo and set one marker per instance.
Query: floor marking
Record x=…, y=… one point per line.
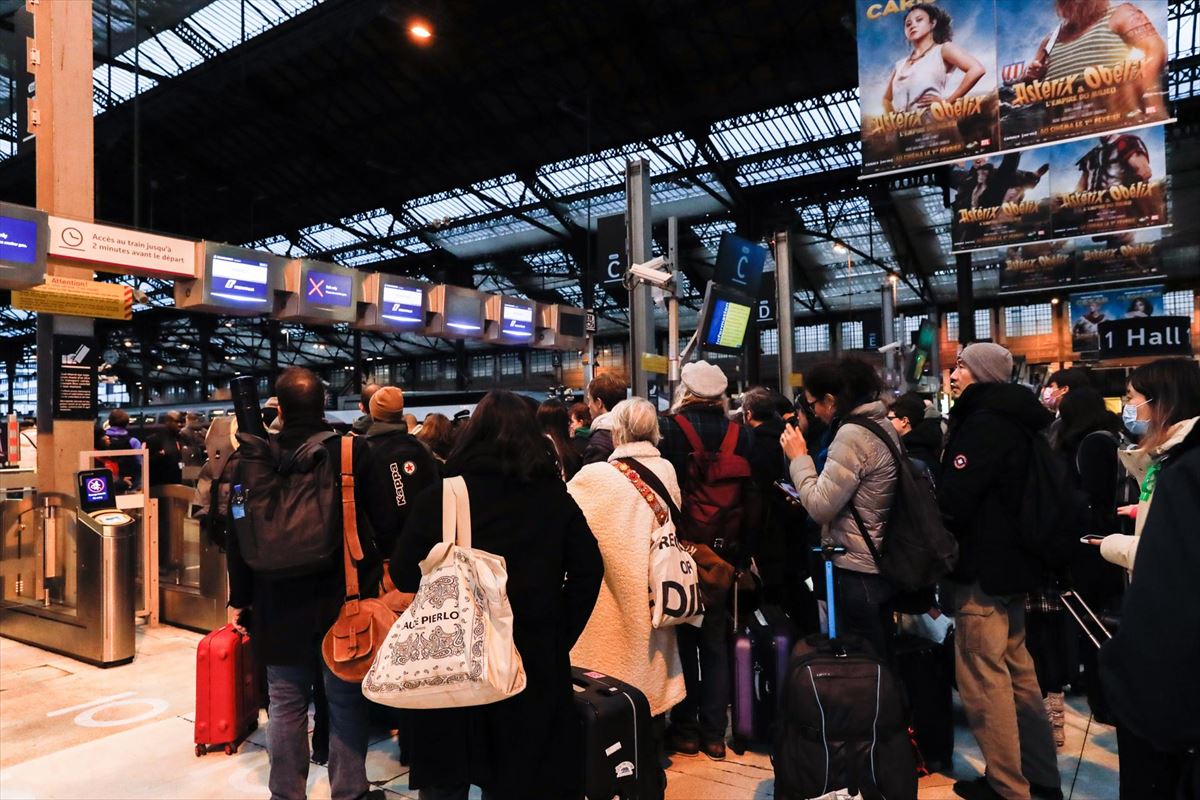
x=87, y=719
x=91, y=703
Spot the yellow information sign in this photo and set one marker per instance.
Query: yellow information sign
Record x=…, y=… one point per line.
x=77, y=298
x=797, y=380
x=655, y=363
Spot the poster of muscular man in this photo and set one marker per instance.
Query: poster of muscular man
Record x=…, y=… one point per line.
x=1109, y=185
x=1073, y=68
x=1000, y=200
x=927, y=73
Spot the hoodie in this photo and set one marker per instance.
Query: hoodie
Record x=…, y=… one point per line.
x=982, y=484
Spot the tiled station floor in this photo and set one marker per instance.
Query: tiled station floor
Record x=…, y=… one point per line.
x=68, y=730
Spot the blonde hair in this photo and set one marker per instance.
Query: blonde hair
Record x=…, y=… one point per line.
x=634, y=420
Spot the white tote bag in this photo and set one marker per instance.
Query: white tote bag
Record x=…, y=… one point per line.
x=673, y=578
x=454, y=645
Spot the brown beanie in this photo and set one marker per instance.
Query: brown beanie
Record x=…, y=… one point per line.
x=387, y=405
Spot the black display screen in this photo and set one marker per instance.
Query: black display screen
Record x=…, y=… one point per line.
x=570, y=324
x=95, y=490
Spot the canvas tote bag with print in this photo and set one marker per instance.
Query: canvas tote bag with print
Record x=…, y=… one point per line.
x=454, y=645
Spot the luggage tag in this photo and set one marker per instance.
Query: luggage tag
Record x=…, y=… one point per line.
x=237, y=503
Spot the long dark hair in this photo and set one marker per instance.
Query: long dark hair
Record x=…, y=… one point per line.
x=438, y=433
x=1082, y=411
x=504, y=435
x=942, y=30
x=1173, y=387
x=555, y=420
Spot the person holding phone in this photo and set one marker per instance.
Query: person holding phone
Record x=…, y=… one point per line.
x=1149, y=668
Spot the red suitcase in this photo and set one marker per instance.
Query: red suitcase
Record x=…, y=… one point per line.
x=226, y=691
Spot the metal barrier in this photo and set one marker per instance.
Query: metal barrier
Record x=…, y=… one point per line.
x=193, y=583
x=66, y=581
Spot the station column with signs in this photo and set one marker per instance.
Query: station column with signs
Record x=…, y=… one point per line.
x=60, y=60
x=641, y=306
x=783, y=310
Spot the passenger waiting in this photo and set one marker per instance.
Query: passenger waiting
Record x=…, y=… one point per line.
x=603, y=394
x=528, y=745
x=437, y=433
x=118, y=437
x=852, y=494
x=581, y=427
x=988, y=457
x=619, y=639
x=555, y=420
x=1150, y=668
x=699, y=722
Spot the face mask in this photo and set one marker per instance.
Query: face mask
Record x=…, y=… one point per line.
x=1134, y=425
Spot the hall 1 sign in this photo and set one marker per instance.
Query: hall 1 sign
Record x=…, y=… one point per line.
x=1146, y=336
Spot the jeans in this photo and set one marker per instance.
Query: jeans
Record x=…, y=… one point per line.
x=862, y=607
x=290, y=689
x=704, y=651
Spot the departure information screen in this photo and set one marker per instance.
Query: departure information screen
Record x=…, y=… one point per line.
x=516, y=320
x=463, y=312
x=727, y=325
x=239, y=280
x=329, y=289
x=402, y=304
x=18, y=240
x=572, y=324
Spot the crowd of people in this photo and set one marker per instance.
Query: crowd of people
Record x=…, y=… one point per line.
x=549, y=496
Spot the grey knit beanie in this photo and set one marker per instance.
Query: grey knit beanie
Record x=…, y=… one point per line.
x=988, y=362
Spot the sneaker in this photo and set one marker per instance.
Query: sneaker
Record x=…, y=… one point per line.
x=680, y=743
x=978, y=789
x=1045, y=792
x=715, y=750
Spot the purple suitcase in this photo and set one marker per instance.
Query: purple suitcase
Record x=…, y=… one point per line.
x=762, y=644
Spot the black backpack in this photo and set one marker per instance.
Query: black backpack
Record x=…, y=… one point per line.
x=1054, y=512
x=286, y=506
x=917, y=550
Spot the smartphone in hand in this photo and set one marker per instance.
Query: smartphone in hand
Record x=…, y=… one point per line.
x=1092, y=538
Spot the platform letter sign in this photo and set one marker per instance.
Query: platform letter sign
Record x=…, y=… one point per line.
x=610, y=249
x=1146, y=336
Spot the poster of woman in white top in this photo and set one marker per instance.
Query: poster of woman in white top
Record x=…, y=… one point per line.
x=928, y=83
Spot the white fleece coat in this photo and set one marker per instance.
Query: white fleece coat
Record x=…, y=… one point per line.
x=619, y=640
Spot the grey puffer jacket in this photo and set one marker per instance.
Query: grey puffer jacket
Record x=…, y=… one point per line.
x=859, y=469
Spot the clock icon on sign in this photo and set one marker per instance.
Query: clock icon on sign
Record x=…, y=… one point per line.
x=72, y=237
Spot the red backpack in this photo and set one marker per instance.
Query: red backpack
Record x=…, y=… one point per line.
x=713, y=491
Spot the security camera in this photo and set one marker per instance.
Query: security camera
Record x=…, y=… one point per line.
x=890, y=347
x=652, y=272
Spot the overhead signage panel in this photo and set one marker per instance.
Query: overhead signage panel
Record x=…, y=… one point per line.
x=320, y=293
x=124, y=250
x=740, y=264
x=231, y=280
x=240, y=280
x=1146, y=337
x=402, y=304
x=392, y=303
x=77, y=298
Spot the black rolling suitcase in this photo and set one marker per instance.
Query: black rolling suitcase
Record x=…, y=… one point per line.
x=926, y=669
x=762, y=645
x=621, y=755
x=843, y=724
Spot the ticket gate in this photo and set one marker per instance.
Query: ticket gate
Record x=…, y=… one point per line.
x=68, y=570
x=193, y=583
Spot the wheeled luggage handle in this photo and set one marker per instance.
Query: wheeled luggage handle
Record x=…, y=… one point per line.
x=828, y=551
x=1069, y=598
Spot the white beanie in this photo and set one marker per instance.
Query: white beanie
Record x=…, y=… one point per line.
x=704, y=380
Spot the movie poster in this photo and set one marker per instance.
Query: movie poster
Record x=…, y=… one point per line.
x=1089, y=309
x=1112, y=183
x=1000, y=200
x=1043, y=265
x=927, y=77
x=1079, y=67
x=1123, y=256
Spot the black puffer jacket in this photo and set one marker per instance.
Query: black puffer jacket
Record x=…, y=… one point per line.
x=982, y=484
x=1149, y=669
